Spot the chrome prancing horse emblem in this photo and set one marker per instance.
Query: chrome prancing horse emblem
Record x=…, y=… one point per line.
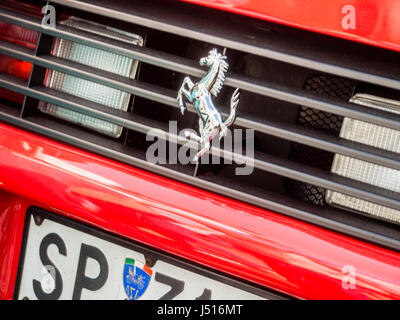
x=199, y=94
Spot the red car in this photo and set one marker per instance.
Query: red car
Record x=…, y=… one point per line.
x=101, y=196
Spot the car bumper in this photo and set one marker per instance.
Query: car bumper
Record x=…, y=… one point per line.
x=253, y=244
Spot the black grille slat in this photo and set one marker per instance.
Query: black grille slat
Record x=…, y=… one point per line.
x=145, y=90
x=74, y=103
x=327, y=104
x=324, y=141
x=157, y=58
x=266, y=44
x=165, y=96
x=186, y=66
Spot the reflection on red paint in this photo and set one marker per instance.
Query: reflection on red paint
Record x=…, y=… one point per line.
x=12, y=66
x=15, y=34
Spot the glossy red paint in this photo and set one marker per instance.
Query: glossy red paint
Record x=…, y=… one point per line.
x=254, y=244
x=377, y=21
x=12, y=214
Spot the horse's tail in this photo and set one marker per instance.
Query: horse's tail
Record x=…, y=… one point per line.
x=234, y=103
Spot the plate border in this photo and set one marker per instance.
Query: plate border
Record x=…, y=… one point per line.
x=140, y=248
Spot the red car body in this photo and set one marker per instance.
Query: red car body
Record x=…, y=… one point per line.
x=263, y=247
x=377, y=22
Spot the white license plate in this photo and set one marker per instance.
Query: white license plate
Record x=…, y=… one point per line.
x=62, y=259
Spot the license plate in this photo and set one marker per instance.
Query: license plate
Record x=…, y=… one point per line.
x=63, y=259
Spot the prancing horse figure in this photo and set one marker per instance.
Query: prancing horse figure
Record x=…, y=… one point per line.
x=199, y=94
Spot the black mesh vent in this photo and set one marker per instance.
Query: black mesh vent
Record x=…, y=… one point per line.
x=338, y=88
x=335, y=87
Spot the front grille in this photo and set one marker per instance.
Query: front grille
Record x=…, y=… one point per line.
x=295, y=87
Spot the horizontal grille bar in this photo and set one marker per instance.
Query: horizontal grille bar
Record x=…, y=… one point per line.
x=323, y=141
x=157, y=58
x=165, y=96
x=305, y=98
x=215, y=32
x=295, y=209
x=189, y=67
x=138, y=88
x=271, y=164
